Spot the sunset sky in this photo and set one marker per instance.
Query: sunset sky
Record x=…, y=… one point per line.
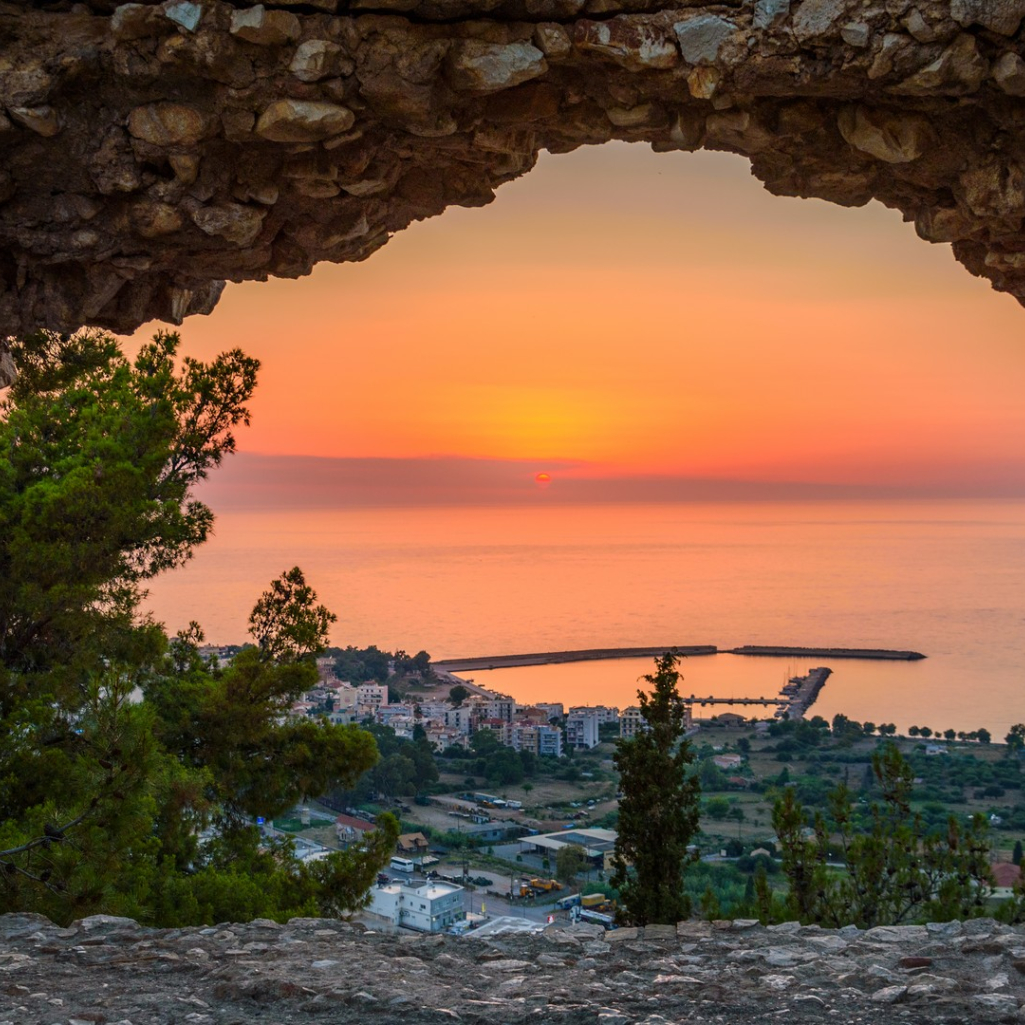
x=622, y=320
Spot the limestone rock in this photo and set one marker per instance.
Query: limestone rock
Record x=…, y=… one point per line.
x=43, y=121
x=303, y=121
x=265, y=28
x=233, y=222
x=894, y=138
x=184, y=13
x=1003, y=16
x=889, y=994
x=553, y=41
x=769, y=13
x=489, y=67
x=168, y=124
x=315, y=59
x=152, y=219
x=816, y=18
x=959, y=69
x=629, y=45
x=1009, y=73
x=856, y=33
x=702, y=37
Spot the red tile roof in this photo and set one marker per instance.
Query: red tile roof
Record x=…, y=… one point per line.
x=360, y=825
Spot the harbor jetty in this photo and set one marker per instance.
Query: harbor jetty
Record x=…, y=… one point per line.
x=801, y=692
x=540, y=658
x=882, y=654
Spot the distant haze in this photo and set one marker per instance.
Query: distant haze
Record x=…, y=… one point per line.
x=255, y=482
x=649, y=319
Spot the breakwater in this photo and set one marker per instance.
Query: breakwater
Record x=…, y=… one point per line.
x=540, y=658
x=872, y=653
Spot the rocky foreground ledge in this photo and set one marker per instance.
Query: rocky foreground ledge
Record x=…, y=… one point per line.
x=111, y=970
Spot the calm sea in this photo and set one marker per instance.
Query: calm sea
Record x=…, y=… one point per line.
x=942, y=577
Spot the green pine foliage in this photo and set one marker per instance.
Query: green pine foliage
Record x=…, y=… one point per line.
x=658, y=813
x=883, y=868
x=130, y=766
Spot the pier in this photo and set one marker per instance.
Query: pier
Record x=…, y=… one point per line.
x=802, y=691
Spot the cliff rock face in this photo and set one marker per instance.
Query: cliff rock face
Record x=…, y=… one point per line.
x=152, y=151
x=110, y=970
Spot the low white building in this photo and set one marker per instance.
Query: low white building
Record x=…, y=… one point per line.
x=429, y=906
x=598, y=844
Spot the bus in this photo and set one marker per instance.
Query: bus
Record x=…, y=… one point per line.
x=403, y=864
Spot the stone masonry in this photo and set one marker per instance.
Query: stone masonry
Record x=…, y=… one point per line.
x=152, y=151
x=111, y=971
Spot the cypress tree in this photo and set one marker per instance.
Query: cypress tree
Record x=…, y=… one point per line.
x=658, y=813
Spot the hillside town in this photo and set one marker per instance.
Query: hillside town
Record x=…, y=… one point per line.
x=450, y=723
x=484, y=854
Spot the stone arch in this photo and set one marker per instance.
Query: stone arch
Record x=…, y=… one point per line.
x=154, y=151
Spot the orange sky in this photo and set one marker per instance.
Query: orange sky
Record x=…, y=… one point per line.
x=647, y=314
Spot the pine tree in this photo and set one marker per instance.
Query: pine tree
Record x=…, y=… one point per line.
x=897, y=870
x=658, y=813
x=103, y=797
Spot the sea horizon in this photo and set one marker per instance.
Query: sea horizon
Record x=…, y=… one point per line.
x=940, y=576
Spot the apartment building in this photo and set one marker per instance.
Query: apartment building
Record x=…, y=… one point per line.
x=582, y=730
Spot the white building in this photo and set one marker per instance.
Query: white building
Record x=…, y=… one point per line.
x=434, y=710
x=342, y=717
x=630, y=722
x=604, y=713
x=459, y=719
x=386, y=714
x=371, y=695
x=598, y=844
x=441, y=737
x=541, y=740
x=427, y=907
x=582, y=730
x=499, y=707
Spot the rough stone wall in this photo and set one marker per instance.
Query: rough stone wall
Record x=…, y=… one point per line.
x=109, y=970
x=152, y=151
